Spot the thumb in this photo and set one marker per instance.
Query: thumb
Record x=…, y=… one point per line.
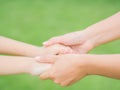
x=46, y=59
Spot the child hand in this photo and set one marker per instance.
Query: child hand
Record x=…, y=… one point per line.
x=36, y=68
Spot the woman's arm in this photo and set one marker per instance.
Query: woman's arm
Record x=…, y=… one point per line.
x=83, y=41
x=21, y=65
x=9, y=46
x=106, y=30
x=75, y=67
x=105, y=65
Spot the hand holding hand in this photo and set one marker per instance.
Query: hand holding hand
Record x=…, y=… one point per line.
x=83, y=41
x=79, y=42
x=66, y=70
x=56, y=50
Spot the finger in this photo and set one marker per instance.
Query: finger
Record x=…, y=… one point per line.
x=73, y=81
x=65, y=83
x=45, y=75
x=66, y=50
x=46, y=59
x=48, y=74
x=56, y=81
x=52, y=41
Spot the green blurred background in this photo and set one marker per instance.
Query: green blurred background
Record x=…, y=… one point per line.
x=34, y=21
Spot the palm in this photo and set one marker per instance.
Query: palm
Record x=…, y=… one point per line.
x=83, y=48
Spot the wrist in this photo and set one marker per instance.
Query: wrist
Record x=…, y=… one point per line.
x=85, y=62
x=88, y=62
x=92, y=64
x=90, y=36
x=94, y=38
x=27, y=68
x=35, y=68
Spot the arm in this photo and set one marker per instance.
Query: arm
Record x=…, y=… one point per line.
x=83, y=41
x=106, y=30
x=21, y=65
x=9, y=46
x=80, y=66
x=105, y=65
x=16, y=65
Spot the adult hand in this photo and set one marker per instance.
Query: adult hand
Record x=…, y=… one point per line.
x=79, y=42
x=56, y=49
x=66, y=70
x=99, y=33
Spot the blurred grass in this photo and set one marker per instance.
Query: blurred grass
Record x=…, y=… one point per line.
x=34, y=21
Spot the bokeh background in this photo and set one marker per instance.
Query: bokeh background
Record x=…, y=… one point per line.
x=34, y=21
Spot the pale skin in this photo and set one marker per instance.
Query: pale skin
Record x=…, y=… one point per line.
x=13, y=47
x=76, y=66
x=81, y=65
x=19, y=64
x=82, y=42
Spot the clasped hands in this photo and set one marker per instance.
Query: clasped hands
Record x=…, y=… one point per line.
x=64, y=57
x=71, y=63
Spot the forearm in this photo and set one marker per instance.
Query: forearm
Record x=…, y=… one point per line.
x=21, y=65
x=105, y=65
x=106, y=30
x=9, y=46
x=14, y=65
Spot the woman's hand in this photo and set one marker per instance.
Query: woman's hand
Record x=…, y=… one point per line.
x=79, y=42
x=83, y=41
x=56, y=49
x=66, y=69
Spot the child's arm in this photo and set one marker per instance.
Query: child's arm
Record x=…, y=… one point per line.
x=9, y=46
x=21, y=65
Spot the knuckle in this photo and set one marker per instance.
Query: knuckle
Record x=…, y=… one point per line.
x=63, y=85
x=42, y=78
x=56, y=81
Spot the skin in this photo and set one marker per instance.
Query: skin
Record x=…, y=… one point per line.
x=13, y=47
x=20, y=64
x=80, y=66
x=79, y=42
x=83, y=41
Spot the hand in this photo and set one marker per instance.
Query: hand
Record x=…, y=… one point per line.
x=56, y=50
x=35, y=68
x=66, y=70
x=99, y=33
x=79, y=42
